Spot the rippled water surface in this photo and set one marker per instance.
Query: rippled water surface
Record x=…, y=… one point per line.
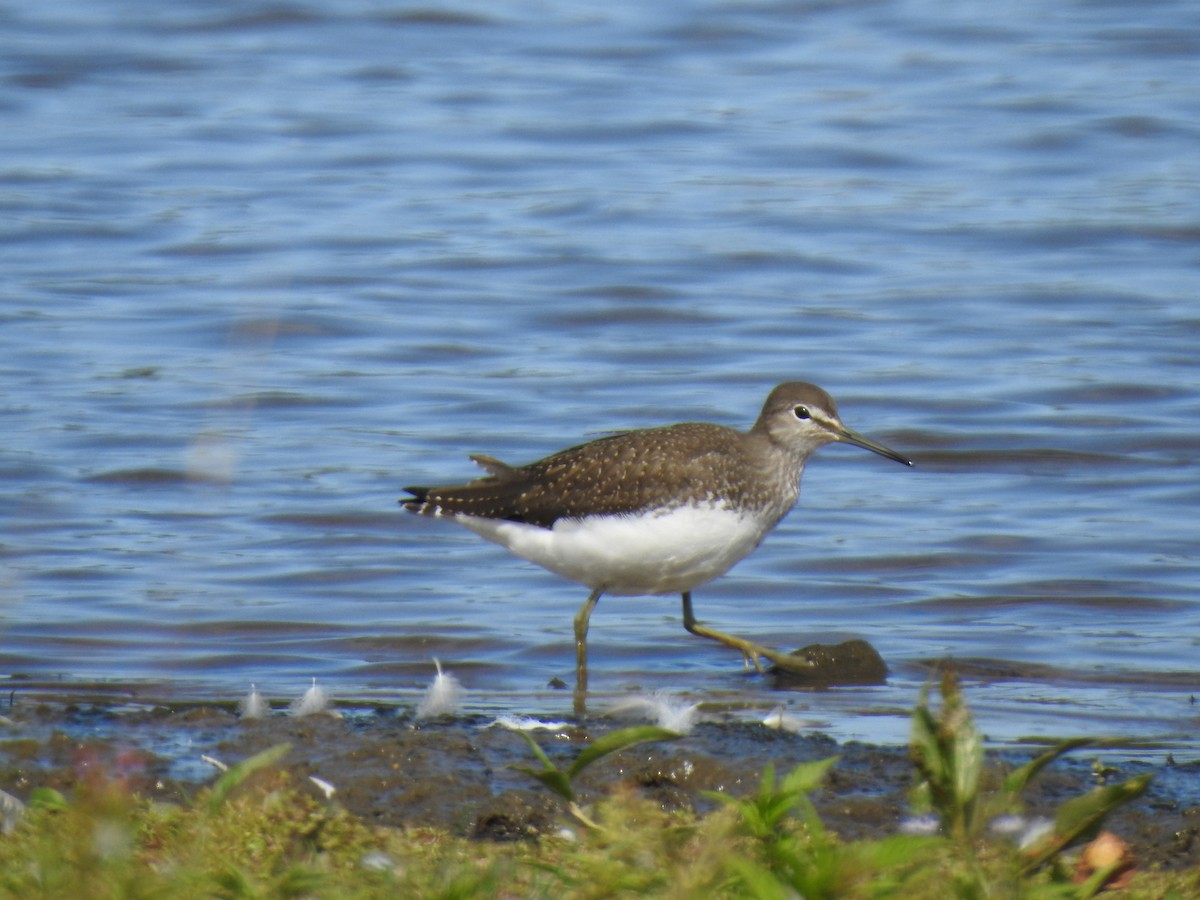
x=263, y=264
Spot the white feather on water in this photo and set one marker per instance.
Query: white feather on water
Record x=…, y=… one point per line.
x=313, y=701
x=663, y=709
x=253, y=705
x=443, y=697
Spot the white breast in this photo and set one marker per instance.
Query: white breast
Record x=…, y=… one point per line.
x=664, y=552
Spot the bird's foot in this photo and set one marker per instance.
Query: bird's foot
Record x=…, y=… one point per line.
x=750, y=651
x=750, y=654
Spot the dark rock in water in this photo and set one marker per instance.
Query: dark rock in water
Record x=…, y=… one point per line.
x=826, y=665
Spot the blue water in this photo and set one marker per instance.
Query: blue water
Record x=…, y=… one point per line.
x=262, y=264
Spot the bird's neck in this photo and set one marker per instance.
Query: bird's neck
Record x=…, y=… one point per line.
x=777, y=469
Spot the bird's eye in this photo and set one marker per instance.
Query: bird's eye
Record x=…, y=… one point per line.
x=801, y=412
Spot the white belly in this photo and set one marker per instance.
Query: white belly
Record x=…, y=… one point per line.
x=665, y=552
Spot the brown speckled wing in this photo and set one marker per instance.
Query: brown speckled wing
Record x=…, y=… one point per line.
x=623, y=473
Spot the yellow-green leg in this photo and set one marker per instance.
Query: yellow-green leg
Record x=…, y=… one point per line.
x=581, y=629
x=750, y=650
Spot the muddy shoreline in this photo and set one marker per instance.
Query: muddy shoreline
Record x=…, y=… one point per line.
x=458, y=773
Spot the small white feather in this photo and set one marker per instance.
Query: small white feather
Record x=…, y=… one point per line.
x=664, y=710
x=215, y=763
x=527, y=723
x=326, y=788
x=443, y=696
x=782, y=721
x=312, y=702
x=253, y=705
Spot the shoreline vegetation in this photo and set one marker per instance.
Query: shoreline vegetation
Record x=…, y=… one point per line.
x=324, y=806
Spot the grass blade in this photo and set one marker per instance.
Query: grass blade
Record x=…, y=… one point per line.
x=619, y=740
x=1017, y=781
x=549, y=775
x=243, y=770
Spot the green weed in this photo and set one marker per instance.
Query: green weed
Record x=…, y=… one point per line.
x=561, y=781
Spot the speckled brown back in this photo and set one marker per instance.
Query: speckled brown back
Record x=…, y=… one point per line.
x=623, y=473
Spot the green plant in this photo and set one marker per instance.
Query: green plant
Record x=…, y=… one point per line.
x=1082, y=817
x=792, y=853
x=947, y=750
x=560, y=781
x=798, y=855
x=765, y=811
